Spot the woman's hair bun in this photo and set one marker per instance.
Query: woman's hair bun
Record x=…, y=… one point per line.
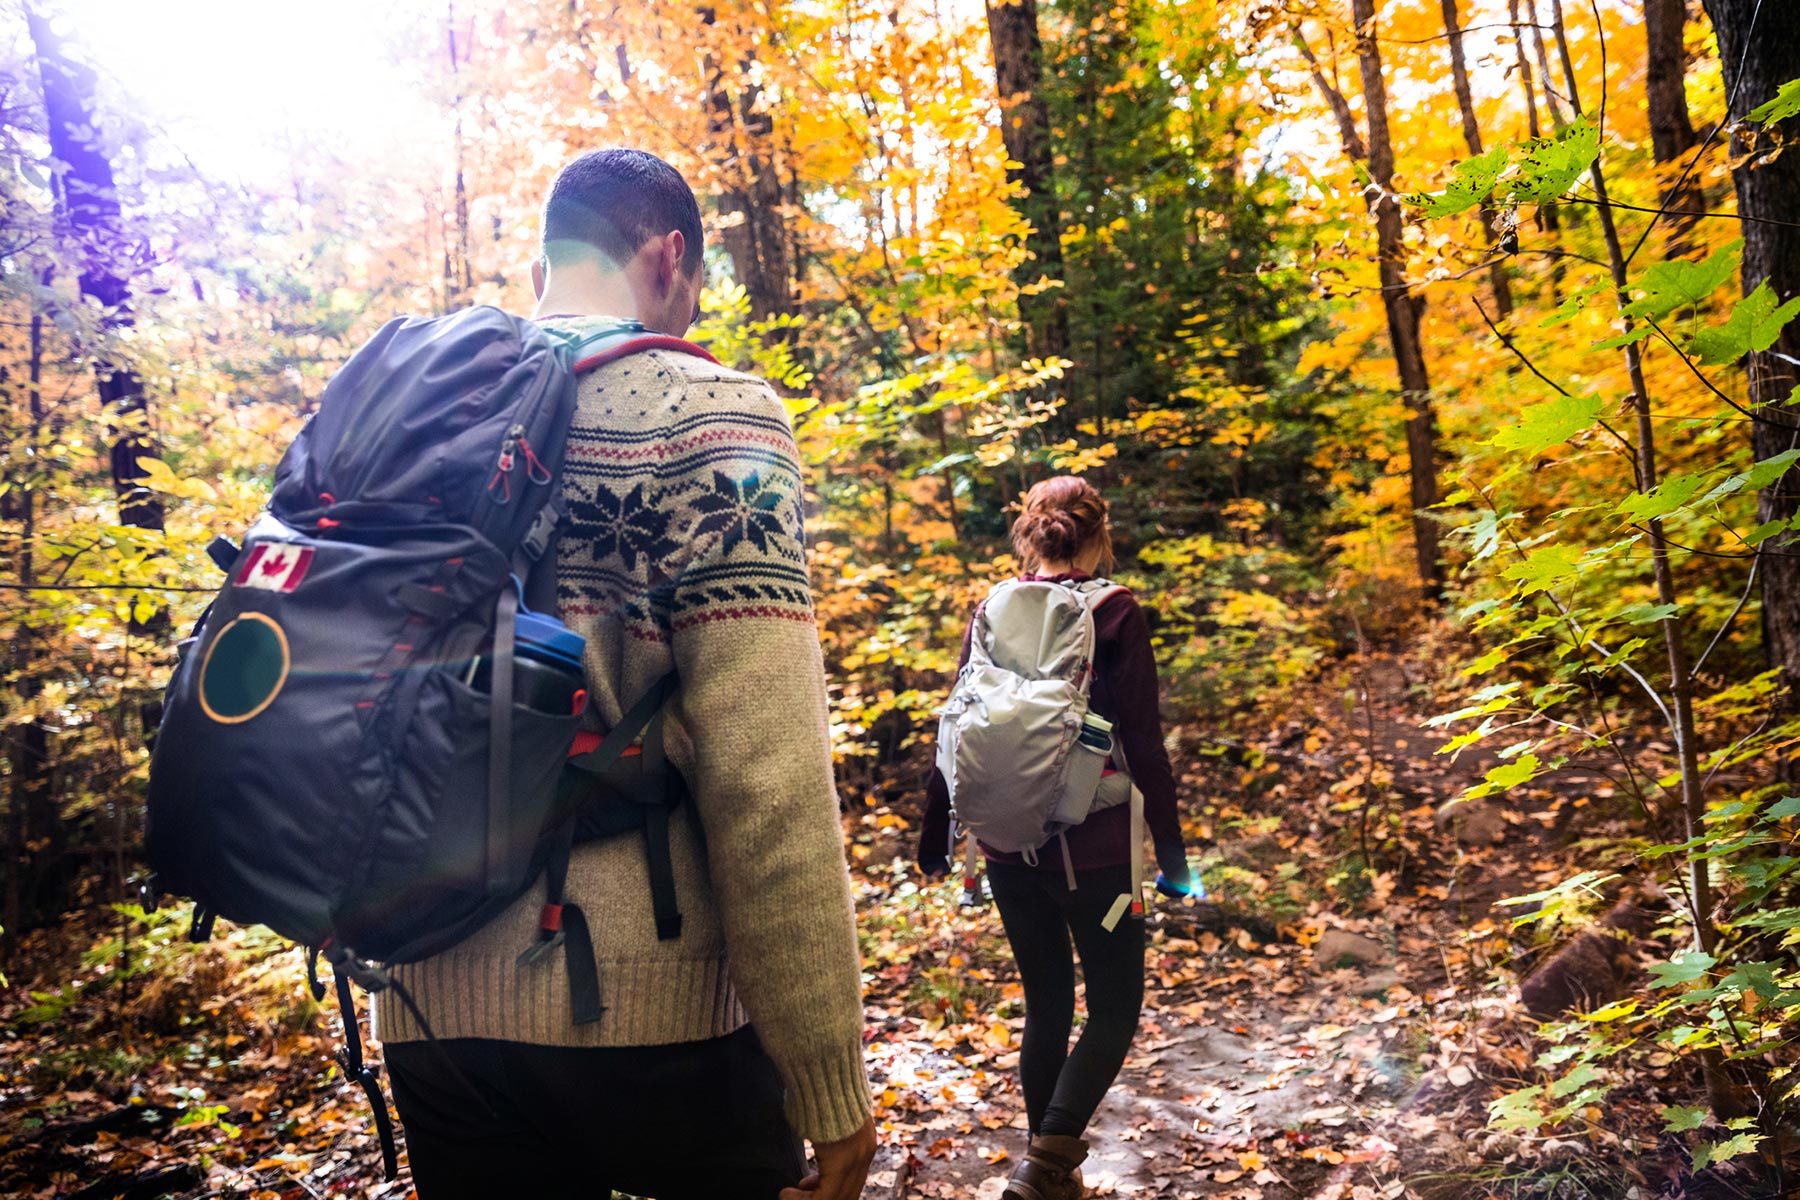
x=1061, y=517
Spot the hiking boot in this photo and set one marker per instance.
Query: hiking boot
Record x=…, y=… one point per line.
x=1051, y=1170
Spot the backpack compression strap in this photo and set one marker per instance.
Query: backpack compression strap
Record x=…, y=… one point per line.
x=565, y=922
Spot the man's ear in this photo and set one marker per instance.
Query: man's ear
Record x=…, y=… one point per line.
x=538, y=278
x=674, y=250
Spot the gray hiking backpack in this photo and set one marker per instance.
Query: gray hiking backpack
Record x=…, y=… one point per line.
x=1022, y=755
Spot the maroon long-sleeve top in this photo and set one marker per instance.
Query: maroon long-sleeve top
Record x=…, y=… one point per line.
x=1125, y=692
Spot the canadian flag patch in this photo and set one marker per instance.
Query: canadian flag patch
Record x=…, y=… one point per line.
x=274, y=567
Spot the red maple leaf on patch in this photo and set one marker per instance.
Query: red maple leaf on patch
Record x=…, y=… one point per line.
x=274, y=564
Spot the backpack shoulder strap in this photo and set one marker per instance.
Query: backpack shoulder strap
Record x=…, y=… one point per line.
x=983, y=620
x=1095, y=592
x=610, y=345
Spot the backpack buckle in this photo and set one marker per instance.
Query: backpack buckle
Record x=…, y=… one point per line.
x=550, y=935
x=538, y=949
x=372, y=978
x=543, y=527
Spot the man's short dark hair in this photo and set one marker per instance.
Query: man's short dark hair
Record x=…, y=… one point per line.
x=616, y=200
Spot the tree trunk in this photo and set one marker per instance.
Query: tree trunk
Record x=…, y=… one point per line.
x=460, y=281
x=1721, y=1092
x=37, y=875
x=1671, y=132
x=752, y=199
x=1465, y=102
x=1768, y=187
x=1557, y=119
x=755, y=234
x=1403, y=308
x=1546, y=218
x=1025, y=128
x=90, y=225
x=89, y=214
x=1524, y=67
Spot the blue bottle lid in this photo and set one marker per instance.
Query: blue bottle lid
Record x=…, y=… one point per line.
x=545, y=638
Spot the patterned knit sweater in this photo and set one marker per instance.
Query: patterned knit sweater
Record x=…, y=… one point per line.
x=684, y=548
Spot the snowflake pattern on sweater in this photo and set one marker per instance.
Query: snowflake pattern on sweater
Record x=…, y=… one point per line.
x=694, y=518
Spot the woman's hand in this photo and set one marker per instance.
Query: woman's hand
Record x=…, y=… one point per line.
x=1176, y=879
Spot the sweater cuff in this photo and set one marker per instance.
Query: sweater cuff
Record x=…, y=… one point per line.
x=828, y=1097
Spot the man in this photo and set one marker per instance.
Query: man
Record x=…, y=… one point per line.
x=720, y=1048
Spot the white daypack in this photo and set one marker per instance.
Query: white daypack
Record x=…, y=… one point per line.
x=1020, y=752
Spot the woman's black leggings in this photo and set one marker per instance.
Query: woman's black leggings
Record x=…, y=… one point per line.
x=1064, y=1087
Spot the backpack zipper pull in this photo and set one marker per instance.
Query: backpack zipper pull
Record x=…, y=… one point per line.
x=500, y=486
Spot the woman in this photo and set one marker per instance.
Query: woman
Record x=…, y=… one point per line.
x=1063, y=536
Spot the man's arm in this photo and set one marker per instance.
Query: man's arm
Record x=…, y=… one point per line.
x=752, y=699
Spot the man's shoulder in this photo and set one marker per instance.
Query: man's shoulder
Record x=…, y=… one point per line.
x=698, y=378
x=703, y=368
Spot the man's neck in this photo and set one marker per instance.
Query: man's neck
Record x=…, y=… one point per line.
x=596, y=296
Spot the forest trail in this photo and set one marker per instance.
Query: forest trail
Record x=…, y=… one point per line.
x=1281, y=1047
x=1262, y=1066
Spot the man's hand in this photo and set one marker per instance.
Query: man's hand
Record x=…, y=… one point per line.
x=843, y=1168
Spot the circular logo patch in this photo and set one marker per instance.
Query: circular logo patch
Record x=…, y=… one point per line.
x=244, y=669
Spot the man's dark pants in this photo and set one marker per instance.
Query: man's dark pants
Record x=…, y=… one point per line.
x=683, y=1122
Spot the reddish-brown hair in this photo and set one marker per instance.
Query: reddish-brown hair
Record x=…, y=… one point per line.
x=1061, y=517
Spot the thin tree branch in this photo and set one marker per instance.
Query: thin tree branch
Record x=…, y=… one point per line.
x=1677, y=212
x=1629, y=451
x=1340, y=108
x=1749, y=586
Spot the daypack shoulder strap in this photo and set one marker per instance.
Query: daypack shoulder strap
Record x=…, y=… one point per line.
x=1095, y=592
x=610, y=345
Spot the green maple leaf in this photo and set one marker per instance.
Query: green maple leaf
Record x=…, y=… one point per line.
x=1552, y=165
x=1787, y=806
x=1668, y=286
x=1764, y=532
x=1637, y=333
x=1545, y=568
x=1643, y=614
x=1677, y=1119
x=1669, y=495
x=1758, y=977
x=1474, y=183
x=1756, y=478
x=1743, y=1143
x=1755, y=322
x=1687, y=967
x=1517, y=1111
x=1545, y=424
x=1785, y=104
